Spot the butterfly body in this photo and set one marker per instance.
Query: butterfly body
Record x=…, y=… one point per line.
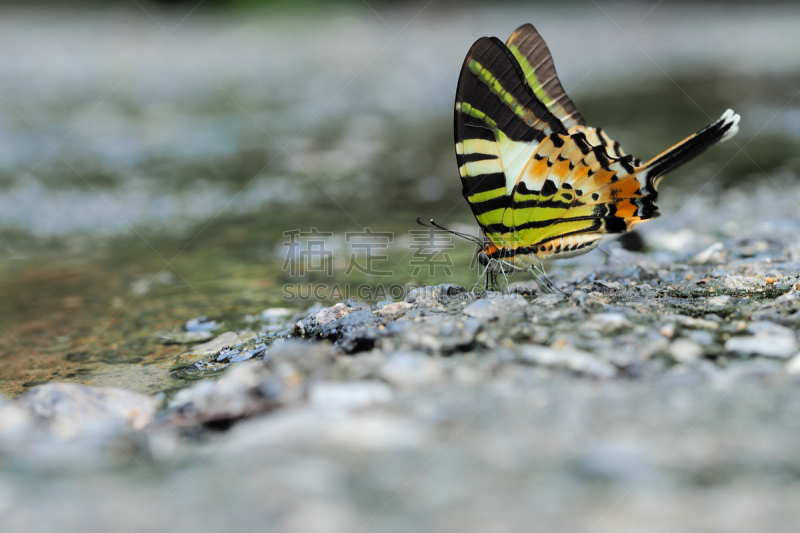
x=541, y=183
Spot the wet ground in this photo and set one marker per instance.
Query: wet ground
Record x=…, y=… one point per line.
x=149, y=187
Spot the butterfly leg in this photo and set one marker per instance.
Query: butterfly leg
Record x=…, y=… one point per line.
x=607, y=254
x=538, y=279
x=503, y=272
x=491, y=281
x=541, y=278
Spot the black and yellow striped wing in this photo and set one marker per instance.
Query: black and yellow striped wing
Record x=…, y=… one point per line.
x=537, y=64
x=534, y=57
x=536, y=187
x=499, y=122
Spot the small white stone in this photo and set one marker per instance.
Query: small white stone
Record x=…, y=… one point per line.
x=685, y=351
x=608, y=322
x=779, y=346
x=329, y=314
x=715, y=253
x=393, y=308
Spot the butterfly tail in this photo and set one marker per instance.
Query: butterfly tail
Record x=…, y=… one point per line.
x=723, y=129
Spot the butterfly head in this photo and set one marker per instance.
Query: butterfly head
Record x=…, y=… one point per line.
x=487, y=253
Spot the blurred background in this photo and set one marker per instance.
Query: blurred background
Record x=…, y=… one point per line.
x=153, y=155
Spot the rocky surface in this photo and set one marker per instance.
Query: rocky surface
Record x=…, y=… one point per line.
x=657, y=392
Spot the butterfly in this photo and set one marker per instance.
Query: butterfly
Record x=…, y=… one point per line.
x=540, y=182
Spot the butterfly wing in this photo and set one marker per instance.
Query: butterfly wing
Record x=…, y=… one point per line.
x=572, y=193
x=534, y=58
x=536, y=62
x=534, y=185
x=499, y=122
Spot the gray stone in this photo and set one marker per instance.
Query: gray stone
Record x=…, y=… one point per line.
x=334, y=328
x=568, y=358
x=201, y=324
x=769, y=328
x=547, y=300
x=496, y=306
x=716, y=253
x=691, y=322
x=213, y=347
x=348, y=395
x=69, y=409
x=242, y=392
x=244, y=355
x=608, y=323
x=437, y=293
x=412, y=370
x=308, y=325
x=392, y=309
x=767, y=345
x=311, y=358
x=434, y=334
x=685, y=351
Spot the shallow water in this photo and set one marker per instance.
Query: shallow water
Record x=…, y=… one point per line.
x=146, y=181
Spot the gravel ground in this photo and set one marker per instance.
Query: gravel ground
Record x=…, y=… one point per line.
x=656, y=392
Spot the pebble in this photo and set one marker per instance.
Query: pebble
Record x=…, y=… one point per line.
x=434, y=334
x=434, y=294
x=715, y=253
x=349, y=395
x=767, y=345
x=568, y=358
x=241, y=392
x=201, y=324
x=691, y=322
x=357, y=319
x=685, y=351
x=69, y=409
x=548, y=300
x=608, y=323
x=237, y=356
x=496, y=306
x=319, y=318
x=412, y=370
x=212, y=347
x=392, y=308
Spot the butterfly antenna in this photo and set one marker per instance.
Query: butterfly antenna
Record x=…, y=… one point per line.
x=464, y=236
